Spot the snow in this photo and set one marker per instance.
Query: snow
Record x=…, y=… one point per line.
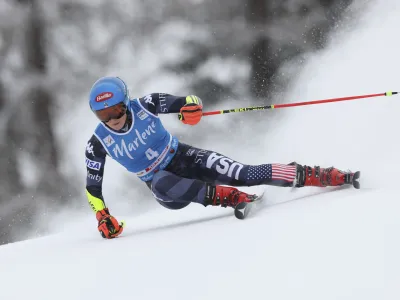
x=305, y=243
x=338, y=245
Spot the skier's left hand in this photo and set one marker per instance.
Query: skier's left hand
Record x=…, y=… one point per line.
x=191, y=113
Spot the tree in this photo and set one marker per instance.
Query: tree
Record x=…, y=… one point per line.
x=28, y=138
x=262, y=66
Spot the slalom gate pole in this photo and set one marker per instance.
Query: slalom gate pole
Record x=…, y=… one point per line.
x=251, y=108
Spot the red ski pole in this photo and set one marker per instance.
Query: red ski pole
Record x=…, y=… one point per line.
x=251, y=108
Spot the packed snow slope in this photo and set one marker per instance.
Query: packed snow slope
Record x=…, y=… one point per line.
x=303, y=244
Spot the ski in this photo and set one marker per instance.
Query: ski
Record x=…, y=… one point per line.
x=243, y=209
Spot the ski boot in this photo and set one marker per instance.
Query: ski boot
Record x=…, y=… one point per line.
x=217, y=195
x=322, y=177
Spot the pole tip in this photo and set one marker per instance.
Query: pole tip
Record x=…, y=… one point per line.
x=391, y=93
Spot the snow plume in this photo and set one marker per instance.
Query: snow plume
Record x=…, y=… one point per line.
x=360, y=59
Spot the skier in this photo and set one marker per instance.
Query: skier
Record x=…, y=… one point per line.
x=177, y=174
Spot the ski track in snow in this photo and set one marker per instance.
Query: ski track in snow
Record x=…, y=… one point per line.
x=305, y=243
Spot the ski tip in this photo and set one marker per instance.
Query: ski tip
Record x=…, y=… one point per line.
x=356, y=182
x=244, y=208
x=240, y=210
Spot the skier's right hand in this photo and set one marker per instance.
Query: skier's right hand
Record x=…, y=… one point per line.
x=192, y=111
x=108, y=226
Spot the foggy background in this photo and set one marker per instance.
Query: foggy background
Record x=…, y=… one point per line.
x=230, y=53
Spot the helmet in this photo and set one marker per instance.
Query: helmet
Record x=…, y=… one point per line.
x=109, y=98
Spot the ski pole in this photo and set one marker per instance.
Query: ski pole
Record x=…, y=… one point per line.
x=251, y=108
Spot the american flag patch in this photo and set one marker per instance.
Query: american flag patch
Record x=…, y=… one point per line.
x=272, y=172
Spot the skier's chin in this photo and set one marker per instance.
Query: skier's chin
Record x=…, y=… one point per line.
x=116, y=124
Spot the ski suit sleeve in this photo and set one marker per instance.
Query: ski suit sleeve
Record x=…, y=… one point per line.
x=162, y=103
x=95, y=160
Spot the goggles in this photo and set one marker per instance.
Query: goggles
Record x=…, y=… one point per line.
x=112, y=112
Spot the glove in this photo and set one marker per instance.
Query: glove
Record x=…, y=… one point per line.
x=191, y=113
x=108, y=226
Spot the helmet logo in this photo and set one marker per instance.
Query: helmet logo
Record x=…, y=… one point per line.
x=104, y=96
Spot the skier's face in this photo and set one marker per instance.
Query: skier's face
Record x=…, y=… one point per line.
x=117, y=124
